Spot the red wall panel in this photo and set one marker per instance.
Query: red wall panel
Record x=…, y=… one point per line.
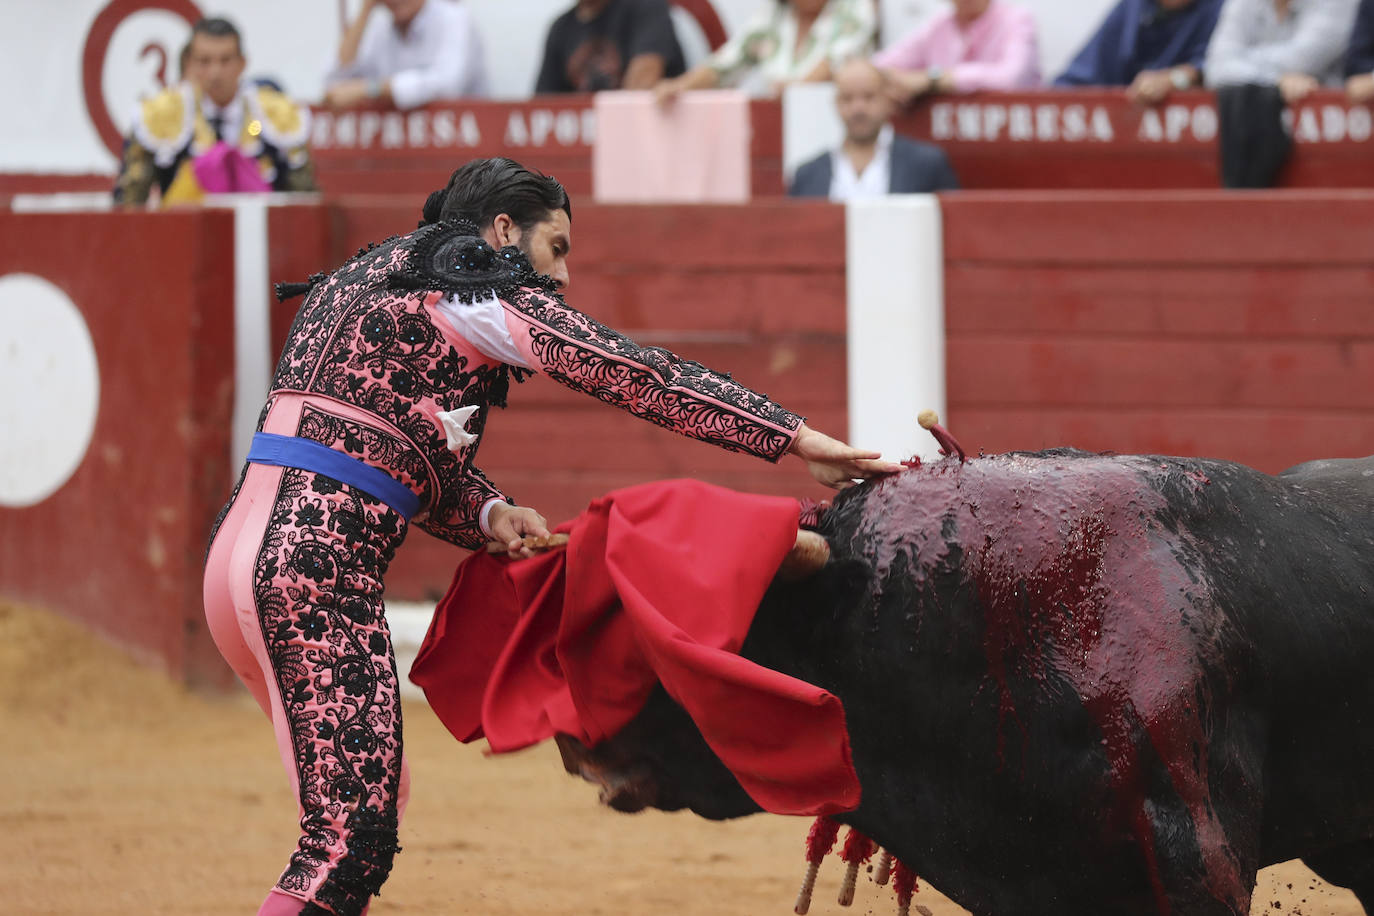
x=120, y=545
x=1097, y=138
x=298, y=245
x=1235, y=326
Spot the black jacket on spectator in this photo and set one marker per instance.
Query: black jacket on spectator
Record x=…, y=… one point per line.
x=1140, y=35
x=916, y=168
x=1360, y=58
x=591, y=56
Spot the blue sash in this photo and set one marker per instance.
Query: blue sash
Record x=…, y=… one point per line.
x=309, y=455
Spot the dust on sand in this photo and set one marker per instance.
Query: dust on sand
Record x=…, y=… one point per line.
x=126, y=794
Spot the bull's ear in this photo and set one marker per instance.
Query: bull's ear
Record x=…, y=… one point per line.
x=806, y=557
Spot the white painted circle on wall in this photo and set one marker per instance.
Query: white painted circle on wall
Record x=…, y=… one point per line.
x=49, y=389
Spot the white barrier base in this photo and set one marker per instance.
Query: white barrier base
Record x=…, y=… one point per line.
x=409, y=622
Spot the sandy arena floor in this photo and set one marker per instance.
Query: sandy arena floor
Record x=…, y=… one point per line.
x=126, y=795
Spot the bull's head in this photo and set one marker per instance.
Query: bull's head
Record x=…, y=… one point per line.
x=660, y=760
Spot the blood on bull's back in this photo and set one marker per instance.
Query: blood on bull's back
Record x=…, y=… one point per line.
x=1095, y=681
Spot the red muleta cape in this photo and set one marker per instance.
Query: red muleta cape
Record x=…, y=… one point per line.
x=659, y=583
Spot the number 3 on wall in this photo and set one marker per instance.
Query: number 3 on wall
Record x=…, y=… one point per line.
x=98, y=45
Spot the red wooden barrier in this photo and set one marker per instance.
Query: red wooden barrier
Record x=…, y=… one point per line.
x=1087, y=138
x=380, y=151
x=1046, y=139
x=120, y=546
x=1233, y=326
x=299, y=243
x=1195, y=323
x=1093, y=138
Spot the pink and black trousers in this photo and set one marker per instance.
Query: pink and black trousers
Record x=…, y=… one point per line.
x=293, y=596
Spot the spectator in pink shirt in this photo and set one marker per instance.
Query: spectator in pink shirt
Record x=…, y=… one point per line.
x=978, y=44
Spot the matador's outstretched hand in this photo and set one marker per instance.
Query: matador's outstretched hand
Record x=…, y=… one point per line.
x=835, y=464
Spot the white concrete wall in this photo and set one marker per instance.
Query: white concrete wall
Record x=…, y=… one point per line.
x=895, y=322
x=50, y=130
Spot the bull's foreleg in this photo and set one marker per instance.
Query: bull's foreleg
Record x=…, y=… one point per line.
x=1189, y=878
x=1205, y=818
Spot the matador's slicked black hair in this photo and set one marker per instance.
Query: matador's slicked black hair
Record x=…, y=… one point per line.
x=483, y=189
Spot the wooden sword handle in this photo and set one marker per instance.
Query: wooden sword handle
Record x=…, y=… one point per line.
x=538, y=545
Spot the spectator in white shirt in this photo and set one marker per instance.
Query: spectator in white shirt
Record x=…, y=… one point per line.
x=421, y=51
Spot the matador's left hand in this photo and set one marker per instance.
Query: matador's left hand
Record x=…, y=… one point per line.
x=510, y=524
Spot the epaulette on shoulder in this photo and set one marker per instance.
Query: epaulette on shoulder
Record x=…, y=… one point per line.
x=287, y=291
x=165, y=122
x=285, y=124
x=453, y=258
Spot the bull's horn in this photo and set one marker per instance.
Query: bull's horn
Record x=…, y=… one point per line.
x=807, y=556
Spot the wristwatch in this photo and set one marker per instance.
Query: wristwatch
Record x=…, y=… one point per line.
x=935, y=74
x=1180, y=78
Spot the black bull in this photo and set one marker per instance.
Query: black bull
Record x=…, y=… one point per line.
x=1076, y=683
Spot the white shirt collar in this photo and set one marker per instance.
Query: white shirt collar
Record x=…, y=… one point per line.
x=876, y=179
x=231, y=115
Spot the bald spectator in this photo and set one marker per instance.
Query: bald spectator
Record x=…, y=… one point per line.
x=976, y=44
x=1359, y=60
x=873, y=160
x=1295, y=45
x=1152, y=47
x=411, y=53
